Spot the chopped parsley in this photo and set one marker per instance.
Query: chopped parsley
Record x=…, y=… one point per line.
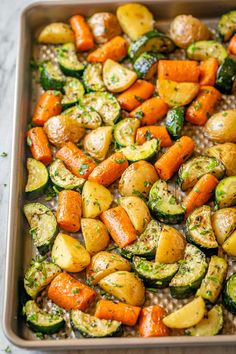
x=83, y=168
x=148, y=135
x=120, y=160
x=4, y=154
x=7, y=349
x=139, y=114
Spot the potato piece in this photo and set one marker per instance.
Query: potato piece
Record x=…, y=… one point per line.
x=69, y=254
x=171, y=246
x=135, y=20
x=177, y=93
x=105, y=263
x=221, y=127
x=187, y=316
x=104, y=26
x=56, y=33
x=95, y=235
x=126, y=286
x=95, y=199
x=186, y=29
x=97, y=142
x=229, y=246
x=226, y=153
x=224, y=223
x=61, y=129
x=116, y=77
x=137, y=211
x=137, y=179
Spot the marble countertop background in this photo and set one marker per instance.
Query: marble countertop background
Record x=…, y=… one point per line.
x=9, y=17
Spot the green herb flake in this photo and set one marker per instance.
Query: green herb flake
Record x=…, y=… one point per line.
x=139, y=99
x=196, y=190
x=197, y=106
x=120, y=160
x=82, y=168
x=7, y=349
x=29, y=141
x=4, y=154
x=139, y=114
x=148, y=135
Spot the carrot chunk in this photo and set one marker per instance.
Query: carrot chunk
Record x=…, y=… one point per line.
x=208, y=71
x=232, y=45
x=150, y=322
x=140, y=91
x=115, y=49
x=83, y=35
x=69, y=210
x=153, y=131
x=39, y=145
x=49, y=105
x=150, y=111
x=178, y=70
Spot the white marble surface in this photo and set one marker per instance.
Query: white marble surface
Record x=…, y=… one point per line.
x=9, y=16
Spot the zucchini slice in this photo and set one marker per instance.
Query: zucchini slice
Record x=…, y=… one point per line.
x=141, y=152
x=225, y=192
x=92, y=327
x=210, y=325
x=68, y=61
x=92, y=78
x=146, y=244
x=42, y=321
x=105, y=104
x=37, y=178
x=153, y=41
x=175, y=121
x=199, y=229
x=125, y=131
x=190, y=274
x=163, y=204
x=154, y=274
x=116, y=77
x=203, y=50
x=229, y=294
x=227, y=25
x=226, y=75
x=145, y=65
x=192, y=170
x=74, y=91
x=38, y=276
x=51, y=77
x=43, y=226
x=63, y=178
x=87, y=117
x=213, y=282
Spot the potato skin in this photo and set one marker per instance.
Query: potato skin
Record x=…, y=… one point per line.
x=226, y=153
x=95, y=235
x=221, y=127
x=186, y=29
x=97, y=142
x=56, y=33
x=223, y=223
x=137, y=178
x=104, y=26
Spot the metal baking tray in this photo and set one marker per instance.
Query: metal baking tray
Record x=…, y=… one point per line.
x=19, y=245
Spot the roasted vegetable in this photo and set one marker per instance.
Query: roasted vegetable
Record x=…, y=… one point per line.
x=56, y=33
x=92, y=77
x=125, y=130
x=69, y=210
x=87, y=117
x=51, y=77
x=97, y=142
x=83, y=35
x=95, y=234
x=104, y=26
x=203, y=50
x=221, y=126
x=68, y=61
x=62, y=177
x=175, y=121
x=226, y=153
x=229, y=246
x=37, y=178
x=151, y=322
x=229, y=294
x=226, y=75
x=145, y=65
x=225, y=192
x=223, y=223
x=141, y=152
x=227, y=25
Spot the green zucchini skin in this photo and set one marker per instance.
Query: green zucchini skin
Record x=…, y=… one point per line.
x=145, y=65
x=154, y=274
x=227, y=25
x=37, y=178
x=146, y=244
x=125, y=131
x=92, y=327
x=92, y=78
x=175, y=121
x=226, y=75
x=68, y=61
x=163, y=204
x=145, y=151
x=153, y=41
x=229, y=294
x=51, y=78
x=42, y=321
x=63, y=178
x=190, y=274
x=74, y=92
x=203, y=50
x=225, y=192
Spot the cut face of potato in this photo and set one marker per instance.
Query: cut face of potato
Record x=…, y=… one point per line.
x=103, y=264
x=177, y=93
x=221, y=127
x=226, y=153
x=187, y=316
x=229, y=246
x=223, y=223
x=116, y=77
x=69, y=254
x=97, y=142
x=135, y=20
x=56, y=33
x=171, y=246
x=95, y=199
x=95, y=235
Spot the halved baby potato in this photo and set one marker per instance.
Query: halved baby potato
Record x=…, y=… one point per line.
x=221, y=127
x=97, y=142
x=229, y=246
x=95, y=235
x=177, y=93
x=226, y=153
x=116, y=77
x=56, y=33
x=95, y=199
x=223, y=223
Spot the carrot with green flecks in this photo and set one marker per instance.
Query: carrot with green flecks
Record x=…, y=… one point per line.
x=83, y=35
x=232, y=45
x=115, y=49
x=150, y=322
x=39, y=145
x=178, y=70
x=49, y=105
x=170, y=162
x=140, y=91
x=124, y=313
x=153, y=131
x=69, y=210
x=203, y=106
x=150, y=111
x=208, y=71
x=70, y=293
x=110, y=169
x=75, y=160
x=119, y=226
x=201, y=193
